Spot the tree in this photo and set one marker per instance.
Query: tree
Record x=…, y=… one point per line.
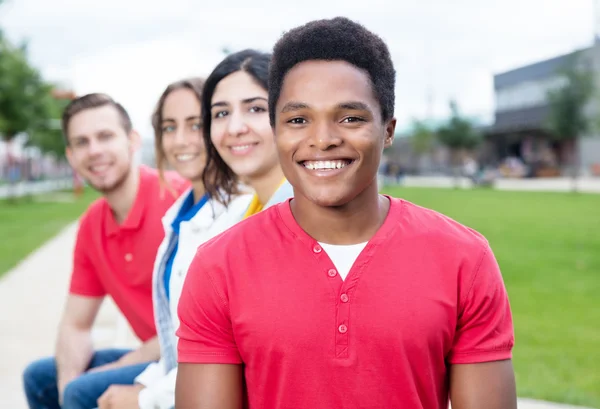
x=26, y=102
x=459, y=135
x=48, y=136
x=568, y=120
x=422, y=138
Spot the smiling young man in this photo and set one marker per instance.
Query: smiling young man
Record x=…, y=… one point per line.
x=114, y=255
x=356, y=300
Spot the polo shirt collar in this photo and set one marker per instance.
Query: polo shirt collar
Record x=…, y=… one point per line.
x=391, y=222
x=135, y=215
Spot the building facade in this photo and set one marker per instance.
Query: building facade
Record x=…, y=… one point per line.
x=521, y=111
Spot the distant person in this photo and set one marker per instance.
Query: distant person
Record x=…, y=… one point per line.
x=114, y=254
x=471, y=169
x=342, y=297
x=238, y=141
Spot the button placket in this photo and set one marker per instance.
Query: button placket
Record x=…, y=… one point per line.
x=341, y=306
x=343, y=322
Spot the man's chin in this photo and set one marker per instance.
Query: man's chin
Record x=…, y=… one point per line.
x=329, y=199
x=107, y=186
x=104, y=186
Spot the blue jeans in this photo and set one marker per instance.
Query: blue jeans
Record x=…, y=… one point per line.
x=41, y=389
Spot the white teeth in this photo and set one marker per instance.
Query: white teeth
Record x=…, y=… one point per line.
x=185, y=157
x=240, y=147
x=325, y=165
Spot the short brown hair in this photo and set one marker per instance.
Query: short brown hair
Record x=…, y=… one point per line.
x=89, y=101
x=195, y=85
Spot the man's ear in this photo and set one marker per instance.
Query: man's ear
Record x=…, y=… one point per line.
x=135, y=140
x=390, y=130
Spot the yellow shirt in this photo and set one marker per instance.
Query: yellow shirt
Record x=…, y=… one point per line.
x=255, y=205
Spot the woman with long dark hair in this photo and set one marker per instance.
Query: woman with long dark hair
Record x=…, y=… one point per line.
x=237, y=133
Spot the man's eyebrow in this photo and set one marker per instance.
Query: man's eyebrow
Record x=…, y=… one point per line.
x=354, y=106
x=293, y=106
x=350, y=105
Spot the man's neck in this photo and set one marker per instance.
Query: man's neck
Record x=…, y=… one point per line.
x=123, y=198
x=356, y=222
x=267, y=184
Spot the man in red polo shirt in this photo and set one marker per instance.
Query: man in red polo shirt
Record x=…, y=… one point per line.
x=114, y=255
x=341, y=297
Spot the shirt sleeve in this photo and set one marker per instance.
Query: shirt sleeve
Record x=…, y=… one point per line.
x=84, y=278
x=485, y=328
x=205, y=331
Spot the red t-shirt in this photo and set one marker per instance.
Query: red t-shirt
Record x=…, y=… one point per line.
x=425, y=292
x=117, y=260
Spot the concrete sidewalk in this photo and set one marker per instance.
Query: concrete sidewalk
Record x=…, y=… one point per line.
x=36, y=290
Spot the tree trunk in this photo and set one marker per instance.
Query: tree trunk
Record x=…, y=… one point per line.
x=575, y=164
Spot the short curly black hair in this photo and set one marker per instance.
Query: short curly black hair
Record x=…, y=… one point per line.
x=337, y=39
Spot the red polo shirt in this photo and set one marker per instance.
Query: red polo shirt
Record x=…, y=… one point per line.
x=425, y=292
x=117, y=260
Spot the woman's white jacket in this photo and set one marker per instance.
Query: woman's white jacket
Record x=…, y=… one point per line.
x=212, y=219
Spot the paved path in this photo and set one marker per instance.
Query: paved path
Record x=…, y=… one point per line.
x=36, y=290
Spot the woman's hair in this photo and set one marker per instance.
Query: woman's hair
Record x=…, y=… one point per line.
x=193, y=84
x=219, y=180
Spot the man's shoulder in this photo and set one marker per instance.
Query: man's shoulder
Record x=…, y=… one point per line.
x=441, y=228
x=93, y=214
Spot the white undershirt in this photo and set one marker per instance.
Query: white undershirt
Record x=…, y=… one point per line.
x=343, y=256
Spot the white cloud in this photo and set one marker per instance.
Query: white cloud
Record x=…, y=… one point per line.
x=136, y=74
x=133, y=48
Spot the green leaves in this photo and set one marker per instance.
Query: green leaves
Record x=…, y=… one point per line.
x=26, y=101
x=458, y=132
x=422, y=137
x=568, y=118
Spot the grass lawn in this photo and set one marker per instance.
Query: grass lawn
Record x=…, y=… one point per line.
x=548, y=247
x=28, y=222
